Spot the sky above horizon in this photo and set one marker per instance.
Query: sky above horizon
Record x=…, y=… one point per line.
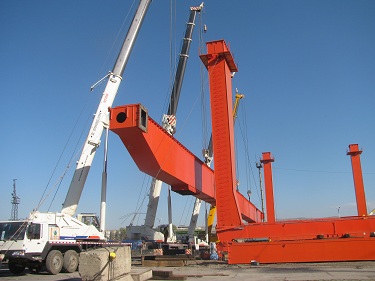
x=306, y=68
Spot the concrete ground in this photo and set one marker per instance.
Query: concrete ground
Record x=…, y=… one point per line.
x=210, y=270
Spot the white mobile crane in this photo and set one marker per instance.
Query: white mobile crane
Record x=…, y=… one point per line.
x=147, y=232
x=55, y=239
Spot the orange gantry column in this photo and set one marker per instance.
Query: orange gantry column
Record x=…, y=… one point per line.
x=220, y=65
x=355, y=153
x=267, y=160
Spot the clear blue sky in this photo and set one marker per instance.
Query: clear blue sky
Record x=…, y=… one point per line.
x=307, y=69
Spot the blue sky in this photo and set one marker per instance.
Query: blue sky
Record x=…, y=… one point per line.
x=306, y=68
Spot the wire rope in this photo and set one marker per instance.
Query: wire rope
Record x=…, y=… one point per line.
x=132, y=7
x=42, y=199
x=73, y=155
x=248, y=167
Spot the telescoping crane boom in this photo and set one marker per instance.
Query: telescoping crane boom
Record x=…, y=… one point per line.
x=169, y=124
x=101, y=116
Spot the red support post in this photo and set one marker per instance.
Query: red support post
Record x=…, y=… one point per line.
x=355, y=153
x=267, y=160
x=220, y=65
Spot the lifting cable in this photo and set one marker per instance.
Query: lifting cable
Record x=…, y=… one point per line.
x=126, y=19
x=173, y=63
x=75, y=154
x=203, y=84
x=60, y=179
x=139, y=204
x=249, y=171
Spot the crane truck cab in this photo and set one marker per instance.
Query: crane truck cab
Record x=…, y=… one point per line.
x=53, y=240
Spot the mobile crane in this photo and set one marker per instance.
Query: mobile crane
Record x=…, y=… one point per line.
x=56, y=239
x=243, y=235
x=147, y=232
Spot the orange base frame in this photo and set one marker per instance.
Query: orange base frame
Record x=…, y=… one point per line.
x=318, y=250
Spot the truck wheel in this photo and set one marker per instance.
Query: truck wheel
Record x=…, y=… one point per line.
x=70, y=261
x=54, y=262
x=16, y=268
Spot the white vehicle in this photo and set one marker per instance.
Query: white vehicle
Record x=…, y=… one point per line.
x=50, y=239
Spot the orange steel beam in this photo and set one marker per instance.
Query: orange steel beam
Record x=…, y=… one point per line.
x=267, y=159
x=160, y=155
x=355, y=153
x=220, y=65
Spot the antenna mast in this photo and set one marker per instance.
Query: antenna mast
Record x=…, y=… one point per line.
x=15, y=201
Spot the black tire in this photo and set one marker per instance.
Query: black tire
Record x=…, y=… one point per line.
x=16, y=268
x=71, y=260
x=54, y=262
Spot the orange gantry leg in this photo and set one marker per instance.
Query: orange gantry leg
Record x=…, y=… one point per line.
x=220, y=65
x=355, y=153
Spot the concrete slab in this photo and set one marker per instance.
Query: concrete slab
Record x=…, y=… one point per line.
x=141, y=274
x=105, y=264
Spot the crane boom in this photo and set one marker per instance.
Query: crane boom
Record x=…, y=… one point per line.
x=183, y=60
x=169, y=119
x=101, y=117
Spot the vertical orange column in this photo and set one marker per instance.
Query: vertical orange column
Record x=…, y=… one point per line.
x=267, y=160
x=220, y=65
x=355, y=153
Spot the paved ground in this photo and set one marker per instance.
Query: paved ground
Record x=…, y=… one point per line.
x=210, y=271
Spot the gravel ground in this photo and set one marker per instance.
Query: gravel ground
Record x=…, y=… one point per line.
x=217, y=271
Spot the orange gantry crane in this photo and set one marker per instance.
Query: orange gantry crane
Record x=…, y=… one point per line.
x=244, y=236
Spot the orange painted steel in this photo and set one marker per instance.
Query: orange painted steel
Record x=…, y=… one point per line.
x=220, y=65
x=294, y=240
x=271, y=242
x=314, y=240
x=160, y=155
x=355, y=153
x=353, y=249
x=267, y=159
